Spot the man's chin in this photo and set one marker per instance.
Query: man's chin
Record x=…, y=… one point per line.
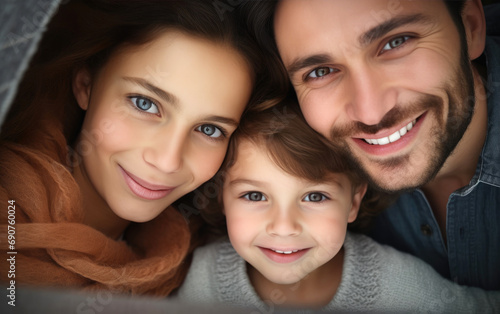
x=392, y=187
x=396, y=180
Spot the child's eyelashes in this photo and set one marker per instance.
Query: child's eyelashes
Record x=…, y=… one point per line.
x=254, y=196
x=144, y=104
x=315, y=197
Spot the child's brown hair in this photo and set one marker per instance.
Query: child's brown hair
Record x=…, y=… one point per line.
x=294, y=147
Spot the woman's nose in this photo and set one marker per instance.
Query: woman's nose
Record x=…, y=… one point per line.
x=167, y=152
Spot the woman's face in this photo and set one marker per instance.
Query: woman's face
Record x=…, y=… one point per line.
x=158, y=120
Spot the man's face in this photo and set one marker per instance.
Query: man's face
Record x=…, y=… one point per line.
x=386, y=78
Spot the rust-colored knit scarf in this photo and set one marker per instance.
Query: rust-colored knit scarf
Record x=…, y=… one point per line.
x=55, y=249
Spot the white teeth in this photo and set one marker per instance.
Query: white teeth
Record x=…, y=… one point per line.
x=383, y=141
x=410, y=125
x=285, y=252
x=403, y=131
x=393, y=137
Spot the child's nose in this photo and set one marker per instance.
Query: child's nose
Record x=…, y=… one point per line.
x=284, y=222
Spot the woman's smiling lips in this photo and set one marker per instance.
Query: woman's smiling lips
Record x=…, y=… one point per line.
x=283, y=256
x=144, y=189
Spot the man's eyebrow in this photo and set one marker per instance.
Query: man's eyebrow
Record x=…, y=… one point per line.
x=301, y=63
x=382, y=29
x=166, y=96
x=365, y=39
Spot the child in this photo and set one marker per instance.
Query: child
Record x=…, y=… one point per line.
x=287, y=198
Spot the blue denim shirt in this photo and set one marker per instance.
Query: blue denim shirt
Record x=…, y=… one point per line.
x=471, y=255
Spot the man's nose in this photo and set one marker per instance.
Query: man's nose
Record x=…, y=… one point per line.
x=371, y=96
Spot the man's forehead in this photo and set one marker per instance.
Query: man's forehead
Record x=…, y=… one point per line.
x=305, y=24
x=360, y=14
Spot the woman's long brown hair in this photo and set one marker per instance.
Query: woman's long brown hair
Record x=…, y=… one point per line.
x=86, y=33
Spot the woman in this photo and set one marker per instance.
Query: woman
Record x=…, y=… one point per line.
x=161, y=86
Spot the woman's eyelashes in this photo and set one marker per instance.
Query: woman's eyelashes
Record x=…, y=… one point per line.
x=212, y=131
x=144, y=104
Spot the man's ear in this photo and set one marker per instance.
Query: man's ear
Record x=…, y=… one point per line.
x=356, y=201
x=475, y=27
x=82, y=84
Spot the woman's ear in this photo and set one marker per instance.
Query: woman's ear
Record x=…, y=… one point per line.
x=475, y=27
x=82, y=84
x=356, y=201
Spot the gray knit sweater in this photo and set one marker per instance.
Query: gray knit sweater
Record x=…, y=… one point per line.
x=375, y=278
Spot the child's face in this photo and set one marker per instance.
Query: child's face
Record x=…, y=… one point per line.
x=158, y=120
x=284, y=226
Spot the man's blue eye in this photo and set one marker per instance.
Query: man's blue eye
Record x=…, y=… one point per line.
x=320, y=72
x=144, y=104
x=315, y=197
x=395, y=42
x=210, y=130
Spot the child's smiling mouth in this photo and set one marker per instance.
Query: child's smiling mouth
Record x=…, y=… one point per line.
x=285, y=255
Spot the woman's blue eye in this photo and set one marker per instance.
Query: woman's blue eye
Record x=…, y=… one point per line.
x=210, y=130
x=144, y=104
x=395, y=42
x=255, y=197
x=320, y=72
x=315, y=197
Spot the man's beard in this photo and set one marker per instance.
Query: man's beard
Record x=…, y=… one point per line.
x=460, y=95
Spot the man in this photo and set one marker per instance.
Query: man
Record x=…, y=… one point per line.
x=406, y=87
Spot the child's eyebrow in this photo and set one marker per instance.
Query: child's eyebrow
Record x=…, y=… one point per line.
x=246, y=181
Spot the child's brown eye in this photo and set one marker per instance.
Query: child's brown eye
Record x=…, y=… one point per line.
x=255, y=197
x=315, y=197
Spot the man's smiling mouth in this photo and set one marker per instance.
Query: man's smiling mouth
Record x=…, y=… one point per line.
x=393, y=137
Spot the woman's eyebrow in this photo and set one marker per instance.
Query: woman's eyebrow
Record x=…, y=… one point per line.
x=166, y=96
x=223, y=120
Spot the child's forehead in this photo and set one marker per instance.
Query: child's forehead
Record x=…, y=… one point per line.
x=249, y=151
x=252, y=154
